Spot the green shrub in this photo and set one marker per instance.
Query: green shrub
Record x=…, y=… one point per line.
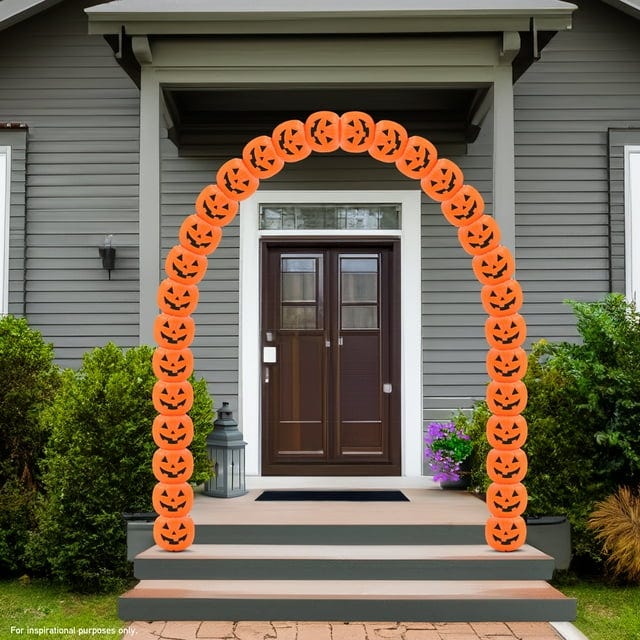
x=28, y=379
x=98, y=465
x=583, y=415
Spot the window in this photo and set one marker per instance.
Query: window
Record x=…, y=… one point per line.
x=632, y=221
x=5, y=183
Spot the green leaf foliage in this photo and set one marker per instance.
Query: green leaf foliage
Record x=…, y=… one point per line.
x=28, y=380
x=583, y=415
x=98, y=466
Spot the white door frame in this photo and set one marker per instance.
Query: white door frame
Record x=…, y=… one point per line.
x=249, y=408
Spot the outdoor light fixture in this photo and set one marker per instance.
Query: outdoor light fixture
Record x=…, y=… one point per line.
x=108, y=254
x=226, y=452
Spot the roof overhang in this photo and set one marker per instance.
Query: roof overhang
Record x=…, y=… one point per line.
x=630, y=7
x=208, y=17
x=14, y=11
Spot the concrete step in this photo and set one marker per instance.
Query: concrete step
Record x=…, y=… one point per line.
x=346, y=600
x=343, y=562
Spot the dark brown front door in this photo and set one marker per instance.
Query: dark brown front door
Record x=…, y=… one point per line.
x=330, y=334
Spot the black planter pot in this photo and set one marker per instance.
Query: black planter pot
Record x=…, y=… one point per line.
x=552, y=535
x=139, y=532
x=465, y=477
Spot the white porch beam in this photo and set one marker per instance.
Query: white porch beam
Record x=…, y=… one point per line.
x=149, y=202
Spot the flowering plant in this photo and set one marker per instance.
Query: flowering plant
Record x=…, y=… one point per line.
x=446, y=446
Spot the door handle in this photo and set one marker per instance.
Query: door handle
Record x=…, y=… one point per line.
x=266, y=375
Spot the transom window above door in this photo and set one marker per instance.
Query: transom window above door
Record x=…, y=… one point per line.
x=371, y=217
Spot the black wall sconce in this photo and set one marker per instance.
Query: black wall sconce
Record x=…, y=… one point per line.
x=108, y=254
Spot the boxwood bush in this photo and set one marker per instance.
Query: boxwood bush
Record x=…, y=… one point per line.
x=98, y=466
x=28, y=380
x=583, y=415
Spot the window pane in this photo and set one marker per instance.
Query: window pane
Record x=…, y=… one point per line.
x=359, y=287
x=360, y=317
x=298, y=287
x=298, y=317
x=329, y=216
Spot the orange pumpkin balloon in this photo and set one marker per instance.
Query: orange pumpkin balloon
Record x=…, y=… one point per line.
x=418, y=159
x=177, y=299
x=502, y=299
x=444, y=180
x=171, y=332
x=505, y=332
x=174, y=534
x=322, y=130
x=261, y=159
x=185, y=266
x=389, y=141
x=507, y=432
x=505, y=534
x=235, y=180
x=290, y=141
x=215, y=207
x=172, y=365
x=506, y=467
x=465, y=207
x=507, y=365
x=172, y=432
x=172, y=398
x=506, y=398
x=357, y=131
x=480, y=236
x=506, y=500
x=495, y=266
x=173, y=466
x=172, y=500
x=199, y=236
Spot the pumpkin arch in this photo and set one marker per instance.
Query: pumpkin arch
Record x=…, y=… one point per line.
x=462, y=206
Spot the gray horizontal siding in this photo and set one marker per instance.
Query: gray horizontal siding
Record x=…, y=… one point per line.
x=586, y=82
x=81, y=179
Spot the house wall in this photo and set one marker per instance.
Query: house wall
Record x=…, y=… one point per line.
x=80, y=183
x=587, y=82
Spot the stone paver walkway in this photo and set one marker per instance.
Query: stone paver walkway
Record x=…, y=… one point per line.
x=340, y=631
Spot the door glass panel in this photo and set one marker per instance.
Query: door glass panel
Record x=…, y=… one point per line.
x=359, y=292
x=329, y=216
x=360, y=317
x=299, y=292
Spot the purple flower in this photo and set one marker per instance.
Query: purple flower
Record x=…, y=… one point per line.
x=446, y=447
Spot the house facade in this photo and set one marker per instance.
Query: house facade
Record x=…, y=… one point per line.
x=339, y=313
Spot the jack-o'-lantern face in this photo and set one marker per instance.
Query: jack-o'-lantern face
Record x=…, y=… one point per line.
x=506, y=467
x=418, y=159
x=172, y=365
x=172, y=466
x=177, y=299
x=443, y=181
x=507, y=365
x=506, y=398
x=507, y=332
x=235, y=180
x=172, y=332
x=290, y=141
x=502, y=299
x=465, y=207
x=185, y=266
x=389, y=141
x=507, y=432
x=357, y=130
x=260, y=157
x=199, y=236
x=505, y=534
x=480, y=236
x=174, y=534
x=495, y=266
x=172, y=500
x=172, y=432
x=322, y=130
x=507, y=500
x=215, y=207
x=172, y=398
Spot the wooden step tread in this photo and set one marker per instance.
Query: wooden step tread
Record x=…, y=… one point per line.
x=470, y=552
x=346, y=590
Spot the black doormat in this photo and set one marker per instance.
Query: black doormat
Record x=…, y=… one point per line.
x=334, y=496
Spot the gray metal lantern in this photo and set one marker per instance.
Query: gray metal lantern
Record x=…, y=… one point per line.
x=226, y=452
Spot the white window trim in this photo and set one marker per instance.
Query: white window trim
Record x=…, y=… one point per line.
x=5, y=204
x=411, y=326
x=632, y=221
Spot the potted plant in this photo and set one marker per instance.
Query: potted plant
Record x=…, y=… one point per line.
x=447, y=448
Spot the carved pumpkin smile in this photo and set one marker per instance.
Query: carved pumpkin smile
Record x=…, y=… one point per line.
x=172, y=465
x=502, y=299
x=172, y=499
x=177, y=299
x=507, y=332
x=261, y=158
x=507, y=500
x=505, y=534
x=443, y=181
x=172, y=398
x=199, y=236
x=507, y=432
x=506, y=467
x=356, y=131
x=185, y=266
x=173, y=533
x=172, y=432
x=418, y=159
x=174, y=332
x=172, y=365
x=215, y=207
x=506, y=398
x=465, y=207
x=506, y=365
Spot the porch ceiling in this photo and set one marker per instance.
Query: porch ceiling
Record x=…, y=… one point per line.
x=200, y=116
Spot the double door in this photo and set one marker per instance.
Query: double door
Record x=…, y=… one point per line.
x=330, y=331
